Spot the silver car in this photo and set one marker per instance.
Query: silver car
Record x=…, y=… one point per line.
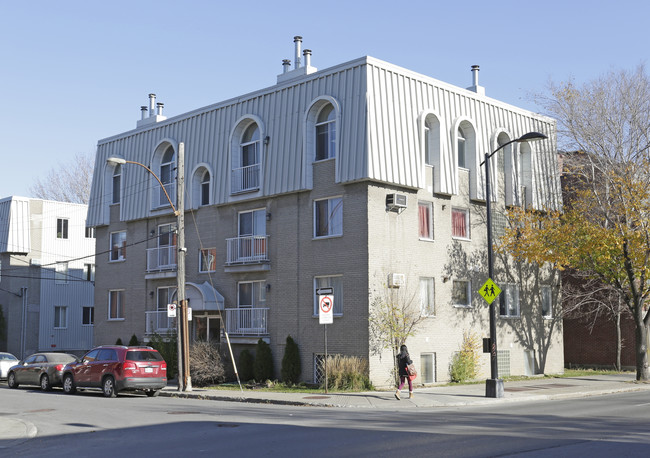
x=41, y=369
x=6, y=361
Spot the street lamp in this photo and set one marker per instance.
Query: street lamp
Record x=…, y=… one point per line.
x=184, y=379
x=494, y=385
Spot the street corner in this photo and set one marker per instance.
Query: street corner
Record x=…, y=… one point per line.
x=14, y=431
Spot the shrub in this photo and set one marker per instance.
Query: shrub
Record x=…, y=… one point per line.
x=291, y=369
x=206, y=367
x=464, y=364
x=347, y=373
x=168, y=349
x=134, y=342
x=118, y=341
x=245, y=368
x=263, y=365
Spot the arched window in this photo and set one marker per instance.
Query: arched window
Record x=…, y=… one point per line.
x=117, y=183
x=509, y=176
x=205, y=188
x=167, y=166
x=326, y=133
x=462, y=139
x=246, y=164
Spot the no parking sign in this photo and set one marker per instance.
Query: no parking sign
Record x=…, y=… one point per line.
x=326, y=309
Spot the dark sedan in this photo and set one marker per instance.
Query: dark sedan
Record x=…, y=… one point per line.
x=42, y=369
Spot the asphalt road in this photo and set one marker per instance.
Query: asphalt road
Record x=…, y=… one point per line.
x=88, y=424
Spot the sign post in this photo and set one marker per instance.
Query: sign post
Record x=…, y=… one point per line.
x=325, y=316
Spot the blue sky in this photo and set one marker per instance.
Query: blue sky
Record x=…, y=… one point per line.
x=74, y=72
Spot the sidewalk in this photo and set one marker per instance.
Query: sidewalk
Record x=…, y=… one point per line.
x=534, y=389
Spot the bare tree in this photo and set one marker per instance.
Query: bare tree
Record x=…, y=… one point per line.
x=69, y=182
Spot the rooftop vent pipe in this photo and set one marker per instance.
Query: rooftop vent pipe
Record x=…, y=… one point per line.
x=475, y=70
x=143, y=110
x=286, y=63
x=160, y=106
x=307, y=54
x=298, y=41
x=152, y=104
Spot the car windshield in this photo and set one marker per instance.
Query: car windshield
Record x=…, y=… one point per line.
x=141, y=355
x=6, y=357
x=61, y=358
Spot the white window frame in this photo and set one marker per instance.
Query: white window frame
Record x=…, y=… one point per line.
x=547, y=298
x=509, y=305
x=61, y=273
x=330, y=125
x=204, y=188
x=334, y=217
x=258, y=294
x=89, y=272
x=116, y=189
x=119, y=314
x=119, y=249
x=207, y=257
x=461, y=149
x=336, y=283
x=62, y=227
x=468, y=286
x=429, y=205
x=91, y=311
x=90, y=233
x=465, y=211
x=164, y=296
x=166, y=175
x=427, y=296
x=60, y=317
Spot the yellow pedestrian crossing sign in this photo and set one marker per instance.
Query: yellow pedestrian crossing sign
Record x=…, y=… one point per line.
x=489, y=291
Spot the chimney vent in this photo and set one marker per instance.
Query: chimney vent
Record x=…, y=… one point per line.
x=160, y=106
x=475, y=87
x=286, y=63
x=143, y=111
x=307, y=54
x=298, y=41
x=152, y=104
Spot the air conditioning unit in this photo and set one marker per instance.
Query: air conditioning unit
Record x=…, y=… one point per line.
x=395, y=202
x=396, y=280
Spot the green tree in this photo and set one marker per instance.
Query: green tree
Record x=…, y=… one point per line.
x=291, y=362
x=245, y=367
x=263, y=365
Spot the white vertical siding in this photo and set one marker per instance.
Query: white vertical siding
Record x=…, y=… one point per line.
x=14, y=225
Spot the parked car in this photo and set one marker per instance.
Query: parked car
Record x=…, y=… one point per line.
x=6, y=361
x=117, y=368
x=42, y=369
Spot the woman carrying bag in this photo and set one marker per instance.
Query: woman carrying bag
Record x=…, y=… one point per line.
x=406, y=371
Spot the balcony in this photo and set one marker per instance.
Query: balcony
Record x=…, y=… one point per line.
x=158, y=323
x=247, y=322
x=247, y=253
x=161, y=259
x=245, y=179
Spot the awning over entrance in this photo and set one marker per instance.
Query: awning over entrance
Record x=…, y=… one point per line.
x=203, y=297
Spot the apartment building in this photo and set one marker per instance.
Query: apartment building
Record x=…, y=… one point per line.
x=360, y=177
x=47, y=269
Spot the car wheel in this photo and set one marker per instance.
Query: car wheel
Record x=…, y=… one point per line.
x=11, y=380
x=108, y=387
x=45, y=383
x=153, y=393
x=68, y=384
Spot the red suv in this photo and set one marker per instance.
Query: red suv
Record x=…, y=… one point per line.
x=117, y=368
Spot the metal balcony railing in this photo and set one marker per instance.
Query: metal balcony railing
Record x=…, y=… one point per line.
x=158, y=323
x=249, y=249
x=161, y=258
x=247, y=321
x=245, y=178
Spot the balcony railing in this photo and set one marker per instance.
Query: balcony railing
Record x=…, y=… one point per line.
x=162, y=200
x=161, y=258
x=245, y=179
x=159, y=323
x=249, y=249
x=247, y=321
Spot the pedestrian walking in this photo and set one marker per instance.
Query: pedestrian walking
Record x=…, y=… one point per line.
x=403, y=360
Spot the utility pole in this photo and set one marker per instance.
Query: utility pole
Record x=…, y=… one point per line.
x=184, y=378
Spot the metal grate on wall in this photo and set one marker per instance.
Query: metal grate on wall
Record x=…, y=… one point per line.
x=503, y=363
x=319, y=368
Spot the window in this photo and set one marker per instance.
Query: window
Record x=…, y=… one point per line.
x=207, y=262
x=547, y=302
x=205, y=188
x=461, y=148
x=460, y=223
x=427, y=303
x=509, y=301
x=326, y=133
x=118, y=246
x=117, y=183
x=88, y=316
x=246, y=167
x=90, y=233
x=116, y=305
x=425, y=220
x=328, y=217
x=167, y=167
x=61, y=228
x=61, y=273
x=428, y=367
x=165, y=296
x=251, y=294
x=60, y=317
x=89, y=272
x=461, y=293
x=334, y=282
x=167, y=240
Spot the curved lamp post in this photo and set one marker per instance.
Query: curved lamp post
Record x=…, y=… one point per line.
x=184, y=379
x=494, y=385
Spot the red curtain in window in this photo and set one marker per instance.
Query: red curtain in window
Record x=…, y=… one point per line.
x=458, y=224
x=425, y=221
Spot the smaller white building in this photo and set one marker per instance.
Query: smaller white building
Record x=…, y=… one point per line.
x=47, y=275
